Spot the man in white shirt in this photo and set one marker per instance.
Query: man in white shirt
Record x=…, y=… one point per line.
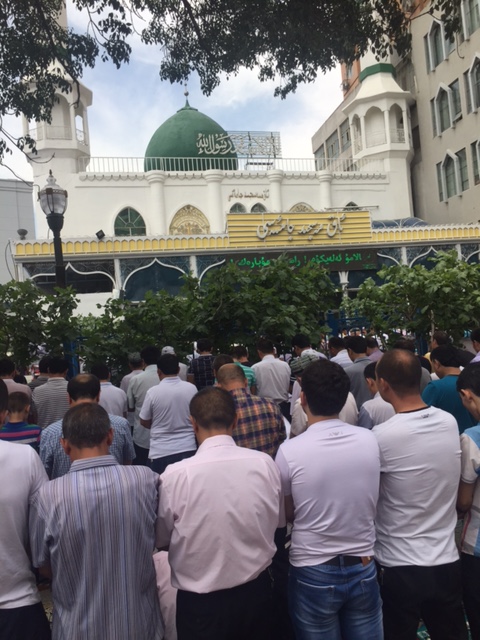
x=330, y=476
x=166, y=413
x=137, y=390
x=418, y=562
x=273, y=376
x=376, y=410
x=182, y=368
x=21, y=474
x=135, y=364
x=218, y=514
x=338, y=352
x=112, y=399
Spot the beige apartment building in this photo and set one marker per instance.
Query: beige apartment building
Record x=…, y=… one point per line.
x=419, y=115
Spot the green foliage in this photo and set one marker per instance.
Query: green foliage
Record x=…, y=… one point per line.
x=30, y=319
x=288, y=41
x=236, y=305
x=419, y=300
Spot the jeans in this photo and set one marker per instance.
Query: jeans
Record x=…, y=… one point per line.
x=338, y=603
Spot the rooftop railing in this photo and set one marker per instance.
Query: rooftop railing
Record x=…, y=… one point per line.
x=106, y=165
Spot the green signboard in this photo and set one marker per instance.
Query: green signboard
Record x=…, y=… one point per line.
x=355, y=260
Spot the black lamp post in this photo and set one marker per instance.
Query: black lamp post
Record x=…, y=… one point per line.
x=53, y=201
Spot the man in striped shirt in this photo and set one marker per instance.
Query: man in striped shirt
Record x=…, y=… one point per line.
x=84, y=388
x=17, y=428
x=94, y=530
x=51, y=399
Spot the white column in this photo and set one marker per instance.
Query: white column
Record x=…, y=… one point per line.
x=386, y=120
x=216, y=215
x=158, y=218
x=275, y=177
x=325, y=180
x=363, y=133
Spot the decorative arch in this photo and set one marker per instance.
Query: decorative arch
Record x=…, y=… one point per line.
x=301, y=207
x=375, y=127
x=258, y=207
x=189, y=221
x=238, y=207
x=129, y=223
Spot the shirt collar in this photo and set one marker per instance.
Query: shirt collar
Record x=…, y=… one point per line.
x=104, y=383
x=89, y=463
x=151, y=367
x=221, y=440
x=269, y=356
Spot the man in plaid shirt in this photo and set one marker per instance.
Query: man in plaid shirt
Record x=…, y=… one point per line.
x=260, y=422
x=201, y=372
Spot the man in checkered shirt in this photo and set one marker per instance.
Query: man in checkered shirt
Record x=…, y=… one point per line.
x=260, y=422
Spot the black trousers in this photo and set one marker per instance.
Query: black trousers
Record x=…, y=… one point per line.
x=471, y=592
x=433, y=594
x=141, y=456
x=24, y=623
x=239, y=613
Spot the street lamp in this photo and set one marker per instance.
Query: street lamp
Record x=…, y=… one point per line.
x=53, y=201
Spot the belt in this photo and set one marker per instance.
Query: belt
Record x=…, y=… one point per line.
x=348, y=561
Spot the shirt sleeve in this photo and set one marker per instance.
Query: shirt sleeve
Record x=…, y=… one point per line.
x=128, y=448
x=283, y=467
x=125, y=402
x=130, y=396
x=470, y=459
x=365, y=419
x=46, y=452
x=429, y=395
x=146, y=410
x=165, y=519
x=38, y=532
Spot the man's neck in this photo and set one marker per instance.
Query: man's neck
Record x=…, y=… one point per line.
x=357, y=356
x=54, y=376
x=449, y=371
x=87, y=452
x=406, y=404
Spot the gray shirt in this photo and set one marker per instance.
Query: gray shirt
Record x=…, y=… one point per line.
x=137, y=390
x=358, y=385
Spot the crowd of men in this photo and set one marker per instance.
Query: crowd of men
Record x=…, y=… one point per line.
x=319, y=495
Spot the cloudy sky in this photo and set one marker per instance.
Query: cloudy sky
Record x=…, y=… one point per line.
x=129, y=104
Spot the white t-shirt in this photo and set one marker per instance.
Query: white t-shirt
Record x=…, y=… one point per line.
x=420, y=464
x=21, y=475
x=168, y=407
x=113, y=399
x=348, y=414
x=273, y=378
x=332, y=472
x=470, y=443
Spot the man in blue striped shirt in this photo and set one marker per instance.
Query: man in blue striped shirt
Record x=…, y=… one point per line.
x=94, y=530
x=84, y=388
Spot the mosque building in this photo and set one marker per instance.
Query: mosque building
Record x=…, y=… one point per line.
x=201, y=196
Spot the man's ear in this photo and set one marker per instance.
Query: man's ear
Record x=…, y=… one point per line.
x=194, y=424
x=468, y=398
x=66, y=446
x=110, y=436
x=303, y=400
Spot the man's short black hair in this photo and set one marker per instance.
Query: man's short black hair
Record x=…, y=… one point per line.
x=3, y=397
x=369, y=371
x=168, y=364
x=357, y=344
x=7, y=367
x=204, y=344
x=220, y=360
x=58, y=365
x=44, y=364
x=326, y=386
x=239, y=352
x=86, y=425
x=150, y=354
x=404, y=343
x=336, y=343
x=301, y=341
x=402, y=370
x=469, y=378
x=83, y=386
x=475, y=335
x=446, y=355
x=440, y=337
x=100, y=370
x=18, y=401
x=264, y=345
x=371, y=342
x=213, y=408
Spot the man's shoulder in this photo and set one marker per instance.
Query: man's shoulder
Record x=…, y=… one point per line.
x=117, y=422
x=267, y=406
x=53, y=430
x=473, y=433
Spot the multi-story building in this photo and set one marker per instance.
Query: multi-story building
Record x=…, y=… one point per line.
x=440, y=79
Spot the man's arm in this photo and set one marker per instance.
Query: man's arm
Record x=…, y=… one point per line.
x=146, y=423
x=465, y=496
x=289, y=509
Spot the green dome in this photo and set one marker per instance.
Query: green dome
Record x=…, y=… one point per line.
x=190, y=134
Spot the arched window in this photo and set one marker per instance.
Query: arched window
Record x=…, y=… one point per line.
x=129, y=223
x=238, y=208
x=258, y=208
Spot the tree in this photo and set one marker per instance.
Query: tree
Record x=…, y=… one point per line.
x=287, y=40
x=420, y=300
x=236, y=305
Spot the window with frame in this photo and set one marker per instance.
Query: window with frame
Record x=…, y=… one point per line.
x=475, y=77
x=468, y=93
x=452, y=175
x=446, y=107
x=258, y=208
x=345, y=135
x=471, y=16
x=475, y=151
x=463, y=168
x=129, y=223
x=443, y=111
x=434, y=117
x=450, y=178
x=238, y=207
x=333, y=146
x=440, y=181
x=456, y=101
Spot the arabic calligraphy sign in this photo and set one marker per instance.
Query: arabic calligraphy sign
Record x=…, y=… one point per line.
x=356, y=260
x=214, y=144
x=299, y=229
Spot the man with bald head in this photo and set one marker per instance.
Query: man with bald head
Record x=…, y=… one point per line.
x=82, y=389
x=418, y=561
x=260, y=422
